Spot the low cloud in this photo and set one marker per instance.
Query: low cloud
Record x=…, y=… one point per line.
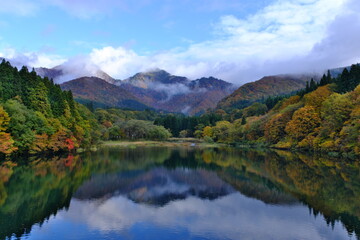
x=76, y=67
x=170, y=89
x=31, y=59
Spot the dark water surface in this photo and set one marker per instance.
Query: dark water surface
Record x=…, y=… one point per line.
x=164, y=193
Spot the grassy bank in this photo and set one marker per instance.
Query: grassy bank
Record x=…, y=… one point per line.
x=172, y=142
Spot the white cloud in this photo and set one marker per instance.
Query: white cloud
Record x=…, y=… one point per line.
x=240, y=216
x=274, y=40
x=288, y=36
x=31, y=59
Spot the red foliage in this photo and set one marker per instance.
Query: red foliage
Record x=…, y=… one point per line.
x=69, y=160
x=70, y=144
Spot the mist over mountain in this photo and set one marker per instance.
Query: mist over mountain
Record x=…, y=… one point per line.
x=72, y=69
x=163, y=91
x=155, y=89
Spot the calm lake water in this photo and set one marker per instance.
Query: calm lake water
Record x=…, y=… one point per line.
x=165, y=193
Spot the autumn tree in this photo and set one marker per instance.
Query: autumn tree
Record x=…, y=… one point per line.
x=304, y=121
x=275, y=127
x=334, y=112
x=6, y=141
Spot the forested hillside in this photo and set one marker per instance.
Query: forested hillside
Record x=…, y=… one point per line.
x=268, y=86
x=325, y=116
x=102, y=93
x=37, y=116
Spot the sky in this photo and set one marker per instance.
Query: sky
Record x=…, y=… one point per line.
x=235, y=40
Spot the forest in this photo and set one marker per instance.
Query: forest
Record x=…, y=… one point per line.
x=36, y=116
x=323, y=117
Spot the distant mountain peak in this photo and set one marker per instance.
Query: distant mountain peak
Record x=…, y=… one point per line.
x=153, y=77
x=69, y=71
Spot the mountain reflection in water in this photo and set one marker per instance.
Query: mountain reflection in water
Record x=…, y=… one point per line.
x=162, y=193
x=157, y=186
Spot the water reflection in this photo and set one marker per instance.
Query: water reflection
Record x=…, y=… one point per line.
x=181, y=194
x=157, y=186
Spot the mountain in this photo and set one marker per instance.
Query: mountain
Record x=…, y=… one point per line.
x=335, y=72
x=157, y=89
x=265, y=87
x=147, y=79
x=102, y=93
x=156, y=187
x=51, y=73
x=63, y=73
x=164, y=91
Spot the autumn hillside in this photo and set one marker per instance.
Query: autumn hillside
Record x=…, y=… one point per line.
x=323, y=117
x=99, y=91
x=265, y=87
x=37, y=116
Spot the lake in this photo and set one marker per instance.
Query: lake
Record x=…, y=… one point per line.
x=180, y=193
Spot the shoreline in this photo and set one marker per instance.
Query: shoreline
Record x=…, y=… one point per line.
x=197, y=143
x=185, y=142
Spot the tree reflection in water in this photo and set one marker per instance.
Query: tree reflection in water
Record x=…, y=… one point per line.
x=31, y=193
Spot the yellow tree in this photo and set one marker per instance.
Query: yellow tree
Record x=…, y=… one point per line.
x=317, y=97
x=304, y=121
x=207, y=131
x=6, y=141
x=221, y=131
x=275, y=127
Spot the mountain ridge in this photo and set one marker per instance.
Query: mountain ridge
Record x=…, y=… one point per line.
x=161, y=90
x=265, y=87
x=100, y=91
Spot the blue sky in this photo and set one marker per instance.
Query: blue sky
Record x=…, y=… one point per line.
x=236, y=40
x=148, y=26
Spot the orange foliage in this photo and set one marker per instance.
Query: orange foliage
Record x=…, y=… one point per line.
x=290, y=101
x=107, y=124
x=304, y=121
x=275, y=127
x=6, y=143
x=58, y=141
x=41, y=143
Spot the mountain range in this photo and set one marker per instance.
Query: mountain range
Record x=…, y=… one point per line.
x=160, y=90
x=156, y=89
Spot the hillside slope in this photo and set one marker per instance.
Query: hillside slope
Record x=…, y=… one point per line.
x=265, y=87
x=99, y=91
